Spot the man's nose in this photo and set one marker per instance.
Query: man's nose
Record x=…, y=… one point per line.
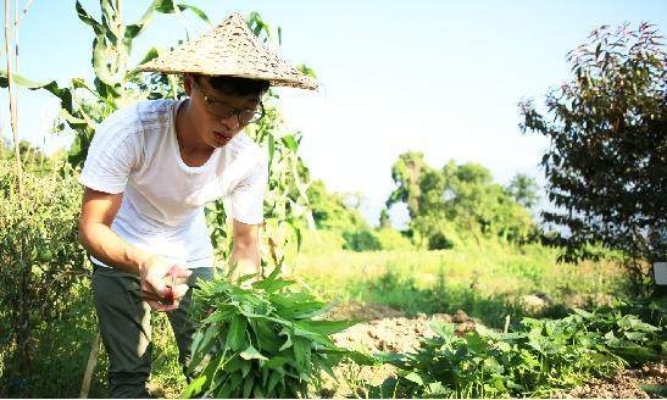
x=231, y=122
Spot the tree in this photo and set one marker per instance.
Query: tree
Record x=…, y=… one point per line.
x=456, y=202
x=524, y=190
x=406, y=173
x=606, y=168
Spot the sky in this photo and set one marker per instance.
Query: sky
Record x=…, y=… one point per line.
x=439, y=77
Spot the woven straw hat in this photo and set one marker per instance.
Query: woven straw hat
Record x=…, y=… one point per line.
x=231, y=49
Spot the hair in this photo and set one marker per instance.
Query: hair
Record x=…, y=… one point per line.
x=235, y=86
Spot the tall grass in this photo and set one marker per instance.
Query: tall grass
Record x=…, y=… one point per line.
x=486, y=281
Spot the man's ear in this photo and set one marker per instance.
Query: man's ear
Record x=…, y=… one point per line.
x=188, y=83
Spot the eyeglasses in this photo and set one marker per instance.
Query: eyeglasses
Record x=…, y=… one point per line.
x=221, y=110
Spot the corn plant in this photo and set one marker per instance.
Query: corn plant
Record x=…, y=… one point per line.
x=262, y=341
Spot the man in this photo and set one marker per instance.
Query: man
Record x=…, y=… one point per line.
x=151, y=168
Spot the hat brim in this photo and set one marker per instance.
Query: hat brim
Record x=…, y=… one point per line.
x=231, y=49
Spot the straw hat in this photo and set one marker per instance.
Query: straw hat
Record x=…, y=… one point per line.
x=231, y=49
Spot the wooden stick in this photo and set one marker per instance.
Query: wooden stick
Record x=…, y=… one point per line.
x=92, y=361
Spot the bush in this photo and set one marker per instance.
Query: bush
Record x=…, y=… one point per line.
x=41, y=264
x=361, y=240
x=391, y=239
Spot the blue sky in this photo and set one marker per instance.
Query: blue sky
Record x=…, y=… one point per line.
x=440, y=77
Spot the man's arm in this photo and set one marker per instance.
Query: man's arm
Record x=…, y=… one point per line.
x=245, y=258
x=97, y=213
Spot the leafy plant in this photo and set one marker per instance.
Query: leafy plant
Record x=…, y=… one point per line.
x=262, y=341
x=539, y=357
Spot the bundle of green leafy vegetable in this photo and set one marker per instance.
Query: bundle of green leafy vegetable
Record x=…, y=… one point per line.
x=261, y=341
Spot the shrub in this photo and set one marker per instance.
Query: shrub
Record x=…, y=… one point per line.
x=391, y=239
x=41, y=264
x=361, y=240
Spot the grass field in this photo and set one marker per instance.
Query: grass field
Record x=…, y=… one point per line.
x=489, y=275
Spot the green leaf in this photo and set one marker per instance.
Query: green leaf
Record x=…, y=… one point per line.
x=276, y=362
x=168, y=7
x=251, y=353
x=272, y=285
x=290, y=143
x=273, y=381
x=323, y=327
x=100, y=62
x=302, y=352
x=415, y=377
x=86, y=18
x=288, y=342
x=272, y=148
x=164, y=6
x=198, y=12
x=64, y=94
x=236, y=338
x=194, y=388
x=151, y=54
x=201, y=346
x=247, y=388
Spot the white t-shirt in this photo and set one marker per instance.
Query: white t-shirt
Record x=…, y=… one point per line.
x=135, y=152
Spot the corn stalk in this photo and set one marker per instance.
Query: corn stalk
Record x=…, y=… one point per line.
x=13, y=111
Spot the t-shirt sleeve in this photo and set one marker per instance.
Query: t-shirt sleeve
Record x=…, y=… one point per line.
x=112, y=154
x=247, y=198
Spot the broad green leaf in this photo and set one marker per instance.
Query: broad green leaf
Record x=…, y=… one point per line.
x=247, y=388
x=272, y=285
x=245, y=369
x=415, y=377
x=194, y=388
x=302, y=353
x=323, y=327
x=276, y=362
x=201, y=346
x=251, y=353
x=236, y=338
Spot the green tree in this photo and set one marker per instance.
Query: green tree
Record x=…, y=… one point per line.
x=406, y=173
x=524, y=190
x=606, y=167
x=458, y=202
x=332, y=212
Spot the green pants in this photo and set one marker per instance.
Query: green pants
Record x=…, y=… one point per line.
x=125, y=326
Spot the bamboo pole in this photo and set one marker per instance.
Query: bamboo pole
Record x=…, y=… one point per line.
x=12, y=98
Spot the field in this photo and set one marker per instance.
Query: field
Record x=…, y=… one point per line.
x=491, y=284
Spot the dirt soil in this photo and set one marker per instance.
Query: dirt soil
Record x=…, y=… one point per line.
x=383, y=329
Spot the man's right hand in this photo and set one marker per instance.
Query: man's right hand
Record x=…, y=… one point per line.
x=163, y=283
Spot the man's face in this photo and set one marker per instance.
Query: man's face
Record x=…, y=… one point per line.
x=220, y=116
